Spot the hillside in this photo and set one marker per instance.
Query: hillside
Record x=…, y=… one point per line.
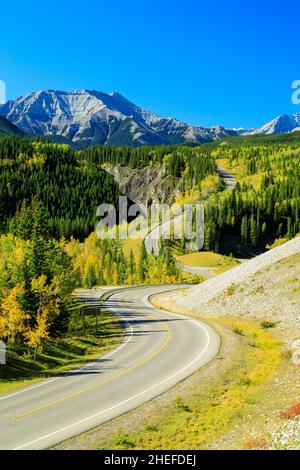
x=51, y=174
x=262, y=207
x=8, y=129
x=144, y=184
x=266, y=287
x=267, y=139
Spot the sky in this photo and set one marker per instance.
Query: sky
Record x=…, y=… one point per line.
x=230, y=63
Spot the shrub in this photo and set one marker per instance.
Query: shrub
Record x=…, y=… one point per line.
x=259, y=443
x=123, y=442
x=231, y=290
x=246, y=382
x=181, y=406
x=238, y=331
x=292, y=412
x=267, y=324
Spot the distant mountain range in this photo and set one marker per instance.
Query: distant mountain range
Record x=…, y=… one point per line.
x=281, y=124
x=91, y=117
x=87, y=118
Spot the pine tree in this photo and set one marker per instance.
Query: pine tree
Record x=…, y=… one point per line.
x=244, y=229
x=131, y=266
x=91, y=278
x=142, y=269
x=253, y=231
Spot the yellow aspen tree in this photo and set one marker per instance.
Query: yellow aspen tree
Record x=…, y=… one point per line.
x=34, y=337
x=115, y=278
x=47, y=295
x=12, y=317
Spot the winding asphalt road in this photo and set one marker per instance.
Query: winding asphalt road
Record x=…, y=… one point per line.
x=159, y=350
x=201, y=271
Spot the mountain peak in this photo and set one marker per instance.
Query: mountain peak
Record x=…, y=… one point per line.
x=281, y=124
x=91, y=117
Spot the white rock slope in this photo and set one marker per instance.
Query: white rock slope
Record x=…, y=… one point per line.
x=205, y=292
x=281, y=124
x=91, y=117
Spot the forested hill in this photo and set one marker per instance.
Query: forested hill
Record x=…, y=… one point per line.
x=265, y=205
x=71, y=184
x=267, y=139
x=68, y=189
x=50, y=191
x=9, y=129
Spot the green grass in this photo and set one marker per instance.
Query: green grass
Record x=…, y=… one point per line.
x=61, y=354
x=206, y=260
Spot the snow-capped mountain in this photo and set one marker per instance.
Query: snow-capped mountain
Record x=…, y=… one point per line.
x=281, y=124
x=91, y=117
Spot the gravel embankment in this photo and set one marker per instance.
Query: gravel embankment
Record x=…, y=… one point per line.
x=199, y=296
x=267, y=289
x=288, y=437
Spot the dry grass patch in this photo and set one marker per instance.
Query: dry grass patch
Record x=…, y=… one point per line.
x=195, y=422
x=207, y=260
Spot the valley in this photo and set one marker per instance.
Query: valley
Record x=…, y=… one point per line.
x=149, y=233
x=49, y=249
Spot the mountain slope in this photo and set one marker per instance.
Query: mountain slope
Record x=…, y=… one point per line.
x=91, y=117
x=281, y=124
x=7, y=128
x=199, y=298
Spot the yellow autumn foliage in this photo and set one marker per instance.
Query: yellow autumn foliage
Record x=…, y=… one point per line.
x=12, y=317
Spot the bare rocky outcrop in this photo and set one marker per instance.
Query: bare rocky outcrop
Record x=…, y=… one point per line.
x=145, y=184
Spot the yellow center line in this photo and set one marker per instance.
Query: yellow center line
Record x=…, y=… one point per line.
x=109, y=379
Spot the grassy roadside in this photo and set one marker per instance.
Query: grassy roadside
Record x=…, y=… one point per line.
x=61, y=354
x=199, y=419
x=201, y=410
x=207, y=260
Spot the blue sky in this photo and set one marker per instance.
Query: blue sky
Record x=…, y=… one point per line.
x=204, y=62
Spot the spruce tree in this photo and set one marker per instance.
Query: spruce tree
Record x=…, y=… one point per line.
x=142, y=268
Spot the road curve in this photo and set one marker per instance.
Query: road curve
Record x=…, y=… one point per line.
x=159, y=350
x=200, y=271
x=152, y=239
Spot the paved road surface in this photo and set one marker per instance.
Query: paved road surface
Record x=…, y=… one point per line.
x=229, y=179
x=205, y=272
x=152, y=239
x=159, y=350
